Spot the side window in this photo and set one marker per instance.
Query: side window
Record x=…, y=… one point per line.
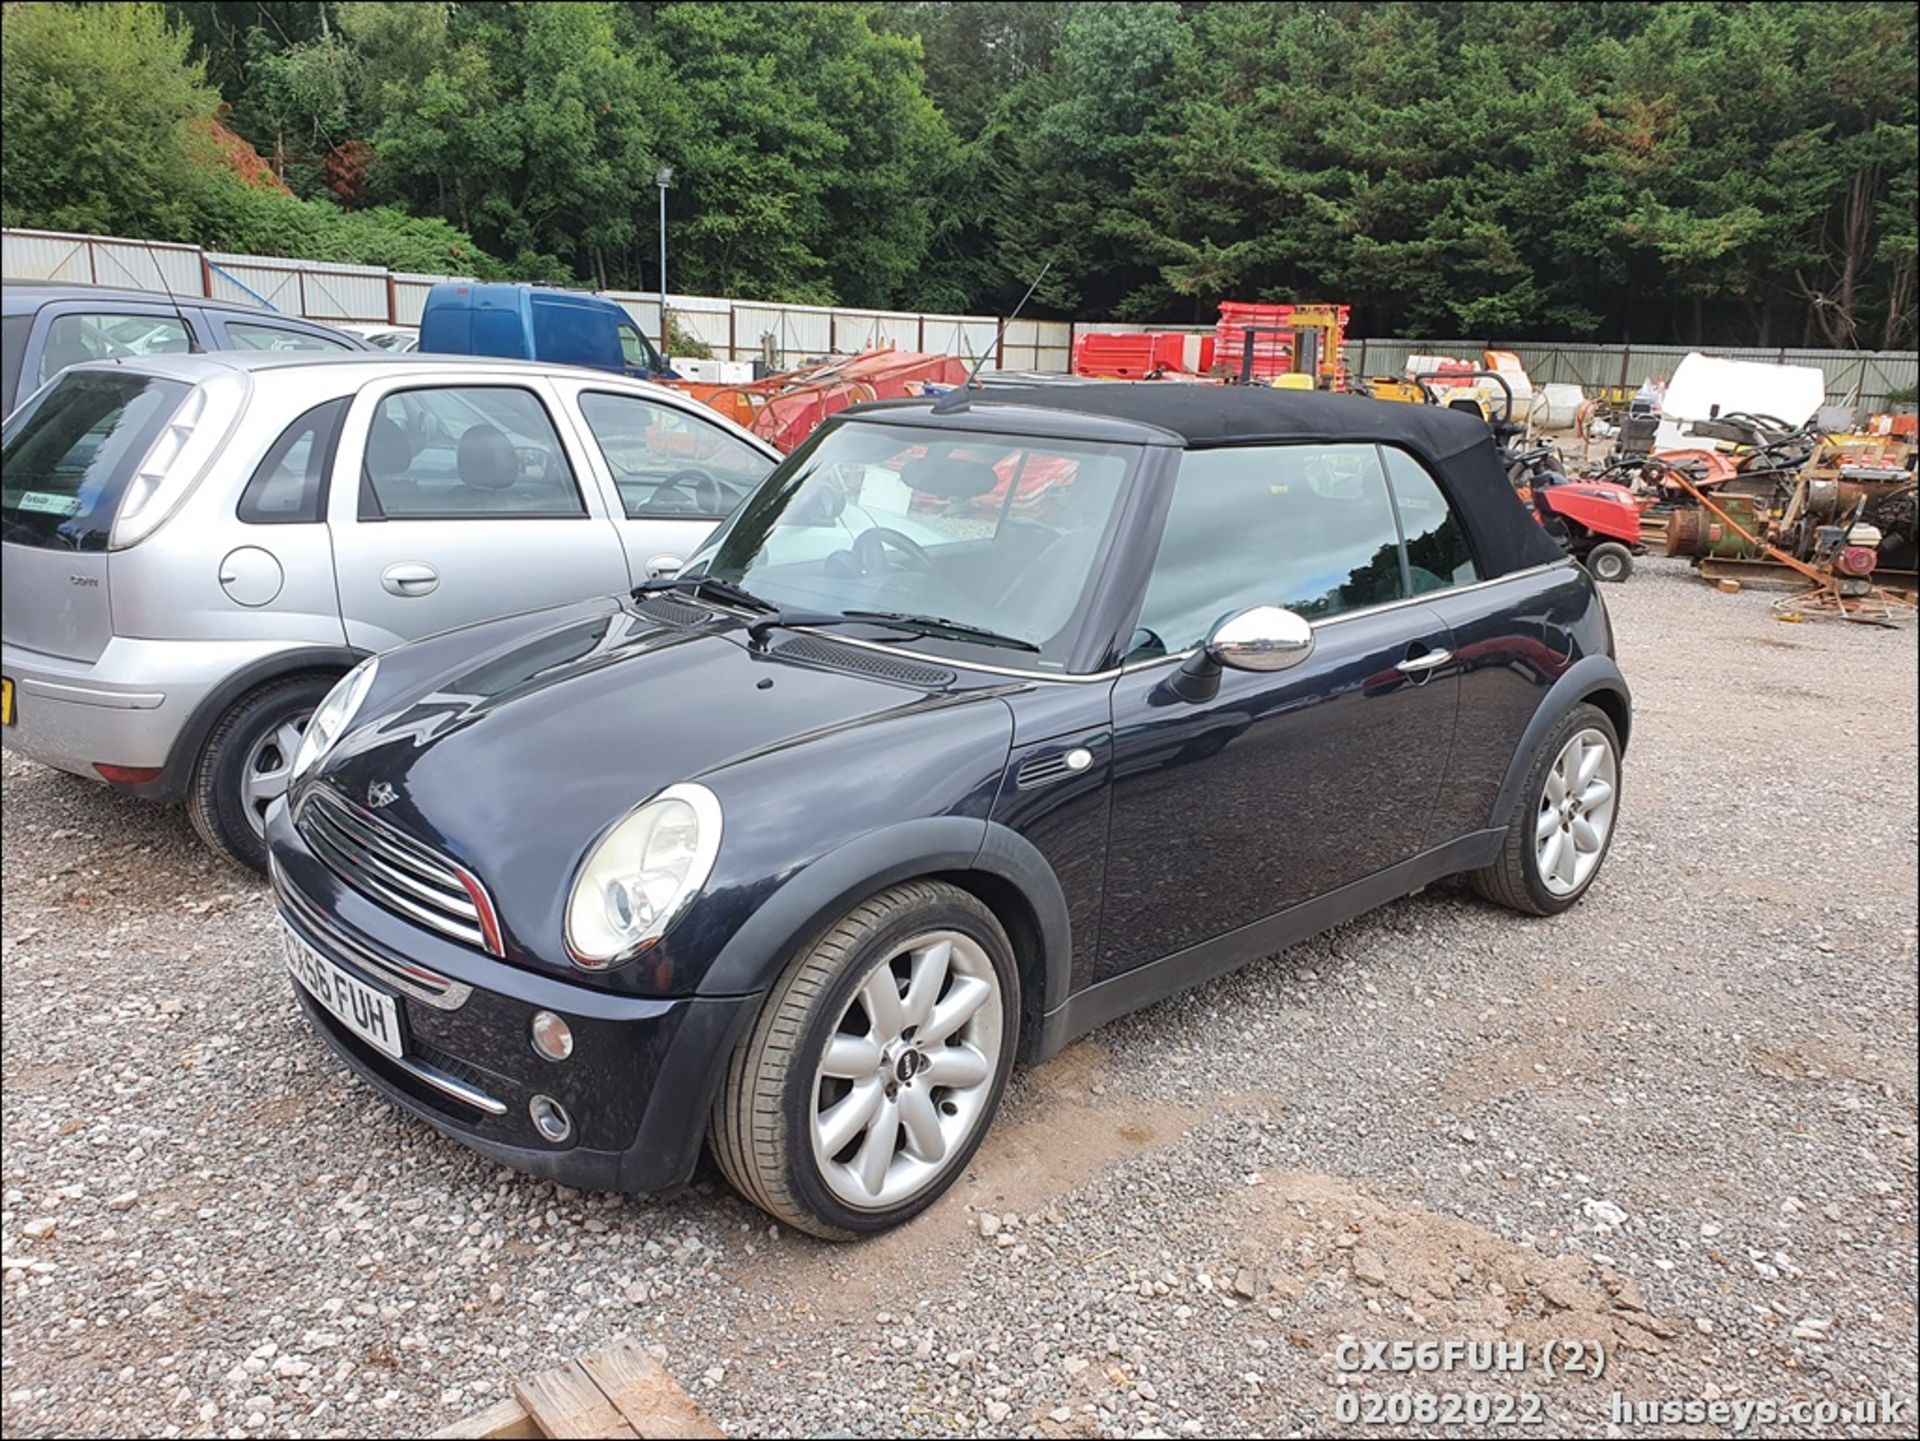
x=1308, y=527
x=667, y=463
x=635, y=349
x=247, y=336
x=1437, y=551
x=459, y=452
x=289, y=485
x=72, y=339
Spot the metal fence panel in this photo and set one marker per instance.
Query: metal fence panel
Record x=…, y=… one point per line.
x=733, y=328
x=410, y=293
x=246, y=280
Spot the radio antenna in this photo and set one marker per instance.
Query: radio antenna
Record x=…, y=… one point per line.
x=193, y=345
x=957, y=398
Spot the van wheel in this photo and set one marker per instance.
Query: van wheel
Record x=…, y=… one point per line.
x=1610, y=561
x=247, y=763
x=875, y=1066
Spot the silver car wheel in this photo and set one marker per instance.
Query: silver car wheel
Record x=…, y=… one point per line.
x=907, y=1073
x=1576, y=812
x=269, y=768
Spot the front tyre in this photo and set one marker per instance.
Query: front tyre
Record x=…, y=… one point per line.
x=1563, y=823
x=247, y=764
x=875, y=1066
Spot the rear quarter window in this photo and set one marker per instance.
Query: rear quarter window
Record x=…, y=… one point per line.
x=65, y=462
x=289, y=486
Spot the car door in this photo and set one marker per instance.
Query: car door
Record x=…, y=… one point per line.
x=457, y=500
x=674, y=470
x=1284, y=785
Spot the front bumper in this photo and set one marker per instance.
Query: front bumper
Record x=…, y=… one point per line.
x=637, y=1086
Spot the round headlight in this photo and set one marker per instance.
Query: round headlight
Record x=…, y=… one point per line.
x=333, y=716
x=641, y=875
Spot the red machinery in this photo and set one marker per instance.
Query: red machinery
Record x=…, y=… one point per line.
x=785, y=409
x=1598, y=522
x=1141, y=354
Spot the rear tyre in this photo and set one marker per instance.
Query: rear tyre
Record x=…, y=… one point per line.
x=247, y=763
x=1562, y=826
x=875, y=1066
x=1610, y=561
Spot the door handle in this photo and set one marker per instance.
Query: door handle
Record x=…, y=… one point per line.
x=409, y=577
x=1425, y=661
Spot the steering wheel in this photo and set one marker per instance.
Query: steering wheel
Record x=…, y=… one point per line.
x=870, y=549
x=703, y=494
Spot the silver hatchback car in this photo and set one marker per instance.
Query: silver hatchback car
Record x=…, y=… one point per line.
x=196, y=547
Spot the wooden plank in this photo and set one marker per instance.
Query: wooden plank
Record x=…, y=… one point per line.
x=503, y=1421
x=565, y=1403
x=646, y=1395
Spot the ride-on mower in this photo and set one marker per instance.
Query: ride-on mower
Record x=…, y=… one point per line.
x=1597, y=521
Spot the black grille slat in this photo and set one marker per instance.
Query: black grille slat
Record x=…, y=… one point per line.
x=389, y=869
x=882, y=667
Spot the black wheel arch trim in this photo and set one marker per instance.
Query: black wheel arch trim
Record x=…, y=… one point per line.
x=1591, y=678
x=954, y=846
x=178, y=771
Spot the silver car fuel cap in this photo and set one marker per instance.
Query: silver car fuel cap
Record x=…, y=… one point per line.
x=250, y=576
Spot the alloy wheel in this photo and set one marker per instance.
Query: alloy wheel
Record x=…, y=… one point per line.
x=1576, y=812
x=907, y=1073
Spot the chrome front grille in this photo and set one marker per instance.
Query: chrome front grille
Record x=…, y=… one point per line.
x=396, y=871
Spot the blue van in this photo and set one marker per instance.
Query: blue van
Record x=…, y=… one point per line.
x=528, y=322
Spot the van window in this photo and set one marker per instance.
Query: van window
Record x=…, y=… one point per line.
x=66, y=459
x=289, y=485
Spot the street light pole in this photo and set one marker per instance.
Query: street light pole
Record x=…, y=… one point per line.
x=663, y=178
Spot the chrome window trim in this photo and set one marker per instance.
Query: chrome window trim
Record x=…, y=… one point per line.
x=1113, y=672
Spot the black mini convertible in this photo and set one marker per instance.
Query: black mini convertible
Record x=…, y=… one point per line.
x=984, y=720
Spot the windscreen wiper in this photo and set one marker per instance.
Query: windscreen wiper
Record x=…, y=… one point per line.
x=940, y=625
x=898, y=620
x=721, y=590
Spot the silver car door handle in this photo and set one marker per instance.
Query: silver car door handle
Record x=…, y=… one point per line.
x=409, y=577
x=1414, y=664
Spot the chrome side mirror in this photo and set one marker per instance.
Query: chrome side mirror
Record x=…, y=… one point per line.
x=1260, y=638
x=1263, y=637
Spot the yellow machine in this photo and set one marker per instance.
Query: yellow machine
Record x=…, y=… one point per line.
x=1298, y=380
x=1392, y=387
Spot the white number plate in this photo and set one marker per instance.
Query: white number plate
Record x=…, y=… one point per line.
x=371, y=1015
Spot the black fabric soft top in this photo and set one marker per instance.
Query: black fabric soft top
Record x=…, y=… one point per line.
x=1457, y=448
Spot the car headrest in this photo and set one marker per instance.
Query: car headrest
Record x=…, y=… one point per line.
x=949, y=478
x=389, y=452
x=486, y=458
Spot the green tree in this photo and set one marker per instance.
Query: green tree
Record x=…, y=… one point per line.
x=99, y=105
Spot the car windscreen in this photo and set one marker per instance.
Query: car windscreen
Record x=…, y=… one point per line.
x=66, y=457
x=998, y=533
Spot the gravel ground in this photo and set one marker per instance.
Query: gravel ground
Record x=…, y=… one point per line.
x=1679, y=1122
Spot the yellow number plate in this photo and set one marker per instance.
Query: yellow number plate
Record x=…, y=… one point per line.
x=6, y=701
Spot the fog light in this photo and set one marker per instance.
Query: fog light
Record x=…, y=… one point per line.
x=550, y=1119
x=552, y=1037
